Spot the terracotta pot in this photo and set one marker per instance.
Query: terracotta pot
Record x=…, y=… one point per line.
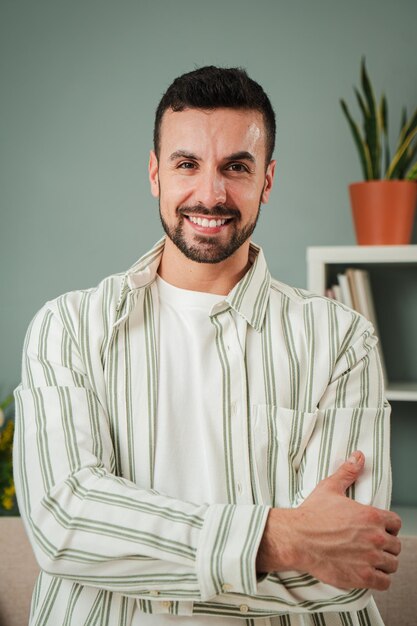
x=383, y=211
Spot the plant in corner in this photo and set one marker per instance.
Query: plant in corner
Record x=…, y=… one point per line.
x=383, y=206
x=8, y=503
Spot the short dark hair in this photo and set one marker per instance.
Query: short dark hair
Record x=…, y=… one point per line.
x=213, y=87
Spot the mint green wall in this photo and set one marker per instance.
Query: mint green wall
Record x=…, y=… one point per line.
x=80, y=81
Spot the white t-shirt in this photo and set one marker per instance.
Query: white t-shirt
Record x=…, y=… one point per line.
x=189, y=432
x=189, y=419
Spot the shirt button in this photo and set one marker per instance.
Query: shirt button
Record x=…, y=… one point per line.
x=227, y=587
x=154, y=592
x=167, y=604
x=243, y=608
x=239, y=487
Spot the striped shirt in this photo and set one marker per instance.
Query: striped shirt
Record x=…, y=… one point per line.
x=303, y=393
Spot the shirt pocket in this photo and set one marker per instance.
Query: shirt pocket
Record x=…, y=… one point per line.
x=279, y=437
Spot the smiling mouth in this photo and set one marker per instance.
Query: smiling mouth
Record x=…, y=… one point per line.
x=206, y=222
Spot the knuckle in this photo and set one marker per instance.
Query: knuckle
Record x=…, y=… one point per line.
x=378, y=539
x=373, y=516
x=366, y=577
x=373, y=557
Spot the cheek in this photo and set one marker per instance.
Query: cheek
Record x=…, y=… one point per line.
x=174, y=192
x=245, y=194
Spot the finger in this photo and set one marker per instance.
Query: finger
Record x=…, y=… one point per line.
x=380, y=581
x=393, y=523
x=347, y=473
x=392, y=545
x=388, y=564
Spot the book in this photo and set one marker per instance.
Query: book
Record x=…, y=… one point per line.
x=346, y=293
x=351, y=278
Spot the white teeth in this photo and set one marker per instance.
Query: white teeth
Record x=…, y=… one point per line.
x=205, y=222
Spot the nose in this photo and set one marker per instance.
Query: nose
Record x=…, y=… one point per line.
x=211, y=189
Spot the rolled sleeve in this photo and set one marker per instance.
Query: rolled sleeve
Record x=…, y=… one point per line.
x=227, y=549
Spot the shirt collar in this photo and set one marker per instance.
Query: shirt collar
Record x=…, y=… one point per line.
x=249, y=297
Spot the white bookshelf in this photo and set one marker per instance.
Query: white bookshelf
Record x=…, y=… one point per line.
x=319, y=262
x=322, y=264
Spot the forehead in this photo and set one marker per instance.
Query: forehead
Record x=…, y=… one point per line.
x=223, y=130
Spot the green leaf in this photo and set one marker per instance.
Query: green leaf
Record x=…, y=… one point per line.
x=401, y=158
x=411, y=126
x=411, y=155
x=412, y=173
x=371, y=122
x=383, y=113
x=405, y=152
x=403, y=127
x=403, y=118
x=361, y=146
x=383, y=122
x=362, y=104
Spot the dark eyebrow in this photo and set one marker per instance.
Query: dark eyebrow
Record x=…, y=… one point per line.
x=241, y=156
x=183, y=154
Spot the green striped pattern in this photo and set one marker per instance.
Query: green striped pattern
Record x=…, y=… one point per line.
x=85, y=453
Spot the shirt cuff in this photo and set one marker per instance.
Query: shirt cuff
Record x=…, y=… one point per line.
x=227, y=550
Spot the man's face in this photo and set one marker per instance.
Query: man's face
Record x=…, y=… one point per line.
x=210, y=179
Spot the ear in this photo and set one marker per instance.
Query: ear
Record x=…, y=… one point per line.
x=269, y=179
x=153, y=174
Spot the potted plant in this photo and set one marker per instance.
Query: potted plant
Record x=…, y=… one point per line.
x=8, y=503
x=383, y=206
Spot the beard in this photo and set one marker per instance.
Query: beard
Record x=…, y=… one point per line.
x=206, y=249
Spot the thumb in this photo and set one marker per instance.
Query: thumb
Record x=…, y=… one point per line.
x=347, y=473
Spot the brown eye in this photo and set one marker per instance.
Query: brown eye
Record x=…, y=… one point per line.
x=237, y=167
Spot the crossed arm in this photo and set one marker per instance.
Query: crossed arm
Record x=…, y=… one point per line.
x=337, y=540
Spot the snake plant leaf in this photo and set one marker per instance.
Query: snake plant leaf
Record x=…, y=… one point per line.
x=403, y=126
x=411, y=157
x=362, y=104
x=361, y=146
x=371, y=122
x=383, y=114
x=403, y=117
x=383, y=123
x=401, y=157
x=411, y=125
x=412, y=174
x=406, y=156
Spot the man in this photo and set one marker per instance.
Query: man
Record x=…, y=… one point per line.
x=178, y=426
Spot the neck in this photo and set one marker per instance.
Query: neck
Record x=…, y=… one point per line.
x=219, y=278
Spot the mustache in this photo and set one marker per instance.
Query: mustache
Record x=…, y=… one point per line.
x=219, y=210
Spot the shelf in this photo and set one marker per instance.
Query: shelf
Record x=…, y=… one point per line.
x=363, y=254
x=323, y=262
x=401, y=391
x=318, y=257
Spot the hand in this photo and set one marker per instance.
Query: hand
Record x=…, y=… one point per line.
x=333, y=538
